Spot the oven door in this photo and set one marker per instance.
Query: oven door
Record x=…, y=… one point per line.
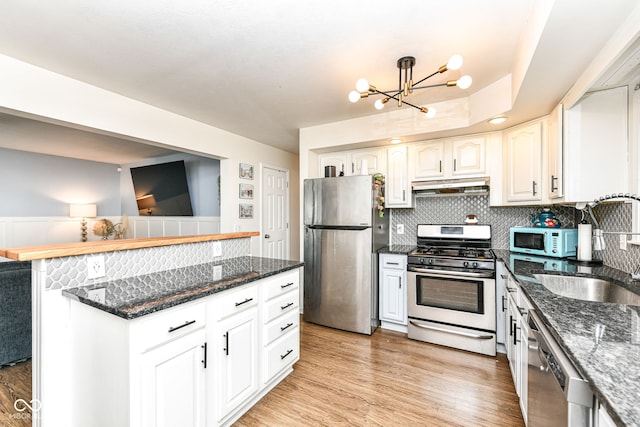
x=450, y=298
x=452, y=310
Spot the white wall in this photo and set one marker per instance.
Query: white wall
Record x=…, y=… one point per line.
x=37, y=93
x=42, y=185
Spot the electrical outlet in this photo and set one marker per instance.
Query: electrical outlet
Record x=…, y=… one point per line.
x=95, y=267
x=97, y=295
x=217, y=248
x=236, y=227
x=399, y=228
x=623, y=242
x=217, y=272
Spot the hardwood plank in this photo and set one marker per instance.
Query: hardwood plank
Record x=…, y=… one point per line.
x=387, y=380
x=15, y=383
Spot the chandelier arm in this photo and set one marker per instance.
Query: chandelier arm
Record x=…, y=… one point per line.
x=430, y=86
x=395, y=96
x=428, y=77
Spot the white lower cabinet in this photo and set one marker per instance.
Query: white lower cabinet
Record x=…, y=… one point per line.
x=393, y=291
x=202, y=363
x=172, y=386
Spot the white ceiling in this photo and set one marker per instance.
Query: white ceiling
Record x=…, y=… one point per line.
x=265, y=69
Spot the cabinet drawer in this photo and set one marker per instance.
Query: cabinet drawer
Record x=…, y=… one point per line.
x=282, y=283
x=281, y=326
x=398, y=262
x=166, y=325
x=234, y=301
x=283, y=304
x=281, y=354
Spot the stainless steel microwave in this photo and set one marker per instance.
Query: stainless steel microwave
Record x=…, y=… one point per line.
x=553, y=242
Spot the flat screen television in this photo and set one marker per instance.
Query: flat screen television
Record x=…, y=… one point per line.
x=162, y=189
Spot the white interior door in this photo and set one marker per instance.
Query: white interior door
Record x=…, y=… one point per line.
x=275, y=213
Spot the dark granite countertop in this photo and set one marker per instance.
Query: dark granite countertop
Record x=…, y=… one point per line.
x=601, y=339
x=397, y=249
x=136, y=296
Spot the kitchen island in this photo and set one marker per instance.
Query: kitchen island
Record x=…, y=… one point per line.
x=602, y=340
x=99, y=318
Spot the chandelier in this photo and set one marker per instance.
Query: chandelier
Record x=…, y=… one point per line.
x=406, y=86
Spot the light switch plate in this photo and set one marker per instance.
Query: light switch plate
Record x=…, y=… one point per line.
x=217, y=272
x=623, y=242
x=399, y=228
x=217, y=248
x=95, y=267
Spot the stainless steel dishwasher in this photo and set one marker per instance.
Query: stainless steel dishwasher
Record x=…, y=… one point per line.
x=557, y=394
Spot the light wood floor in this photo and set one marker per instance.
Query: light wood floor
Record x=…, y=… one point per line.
x=347, y=379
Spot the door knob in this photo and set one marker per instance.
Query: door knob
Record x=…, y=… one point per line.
x=266, y=236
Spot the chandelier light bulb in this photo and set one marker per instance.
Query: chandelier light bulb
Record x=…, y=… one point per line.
x=464, y=82
x=379, y=104
x=455, y=62
x=431, y=113
x=354, y=96
x=362, y=85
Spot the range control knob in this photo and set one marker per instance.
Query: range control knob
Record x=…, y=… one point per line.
x=475, y=264
x=465, y=264
x=431, y=261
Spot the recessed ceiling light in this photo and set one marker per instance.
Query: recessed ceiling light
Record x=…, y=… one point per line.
x=395, y=141
x=497, y=120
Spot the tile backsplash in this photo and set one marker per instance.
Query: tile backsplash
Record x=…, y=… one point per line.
x=454, y=209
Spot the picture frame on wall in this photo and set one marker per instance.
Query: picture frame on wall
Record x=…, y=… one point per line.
x=246, y=191
x=246, y=211
x=246, y=171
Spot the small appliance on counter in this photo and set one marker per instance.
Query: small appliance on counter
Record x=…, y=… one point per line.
x=545, y=241
x=545, y=218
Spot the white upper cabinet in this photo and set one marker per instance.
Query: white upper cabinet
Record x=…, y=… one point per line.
x=427, y=160
x=523, y=148
x=397, y=187
x=351, y=162
x=554, y=153
x=457, y=158
x=468, y=156
x=596, y=146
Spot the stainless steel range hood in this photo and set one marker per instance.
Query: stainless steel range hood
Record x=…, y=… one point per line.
x=451, y=187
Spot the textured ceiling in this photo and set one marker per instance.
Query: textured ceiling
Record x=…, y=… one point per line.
x=265, y=69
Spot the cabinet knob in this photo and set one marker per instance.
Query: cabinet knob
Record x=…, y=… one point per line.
x=266, y=236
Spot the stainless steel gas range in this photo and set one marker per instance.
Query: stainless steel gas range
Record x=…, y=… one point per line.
x=452, y=288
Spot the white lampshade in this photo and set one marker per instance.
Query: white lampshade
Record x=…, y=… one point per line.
x=362, y=85
x=354, y=96
x=464, y=82
x=83, y=211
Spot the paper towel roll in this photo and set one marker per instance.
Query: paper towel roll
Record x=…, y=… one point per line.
x=584, y=242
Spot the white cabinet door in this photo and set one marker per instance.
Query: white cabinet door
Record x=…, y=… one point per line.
x=427, y=160
x=393, y=296
x=554, y=154
x=397, y=191
x=173, y=384
x=374, y=159
x=238, y=370
x=468, y=156
x=524, y=167
x=340, y=160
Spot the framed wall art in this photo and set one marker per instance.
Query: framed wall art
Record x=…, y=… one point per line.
x=246, y=171
x=246, y=191
x=246, y=211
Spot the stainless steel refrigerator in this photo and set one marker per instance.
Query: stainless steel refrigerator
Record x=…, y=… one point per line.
x=342, y=234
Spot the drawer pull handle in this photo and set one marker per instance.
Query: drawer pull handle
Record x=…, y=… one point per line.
x=287, y=285
x=244, y=302
x=284, y=328
x=282, y=356
x=392, y=263
x=187, y=323
x=226, y=344
x=204, y=361
x=282, y=307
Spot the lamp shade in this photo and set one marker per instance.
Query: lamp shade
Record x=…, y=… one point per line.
x=83, y=211
x=146, y=202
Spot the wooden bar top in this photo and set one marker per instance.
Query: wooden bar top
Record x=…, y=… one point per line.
x=30, y=253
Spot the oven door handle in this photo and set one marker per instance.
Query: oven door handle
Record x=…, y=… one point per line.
x=464, y=334
x=450, y=273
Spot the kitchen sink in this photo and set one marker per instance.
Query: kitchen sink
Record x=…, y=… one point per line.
x=588, y=289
